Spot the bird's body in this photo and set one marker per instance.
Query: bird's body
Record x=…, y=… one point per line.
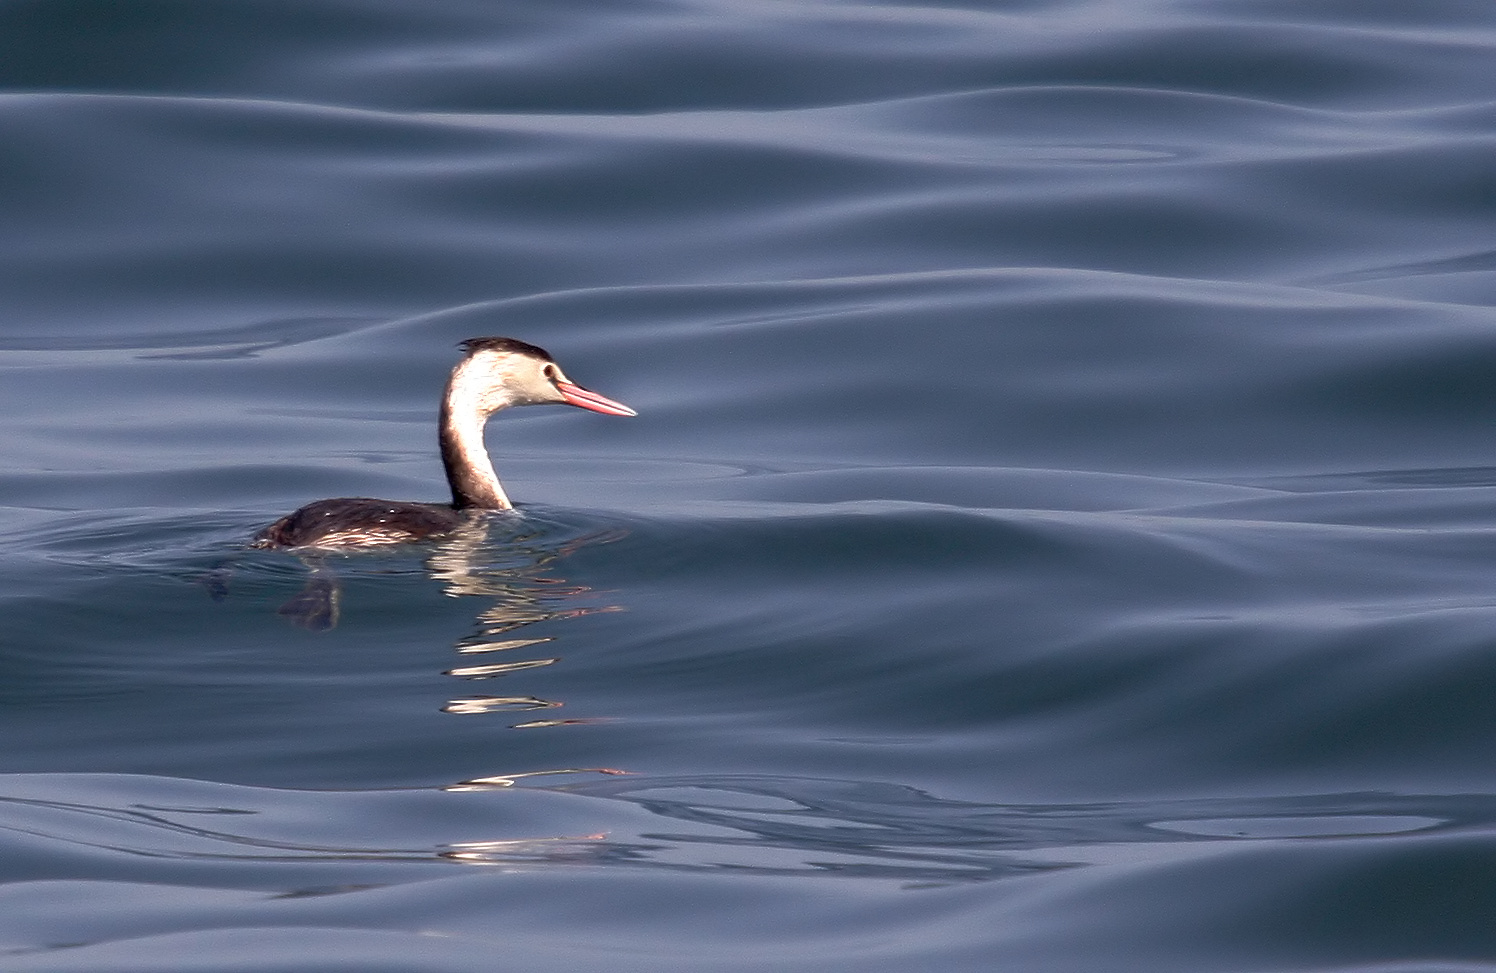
x=360, y=522
x=495, y=373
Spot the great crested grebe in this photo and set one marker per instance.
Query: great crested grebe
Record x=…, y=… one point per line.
x=494, y=374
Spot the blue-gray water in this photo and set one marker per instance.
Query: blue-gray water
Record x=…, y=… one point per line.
x=1059, y=533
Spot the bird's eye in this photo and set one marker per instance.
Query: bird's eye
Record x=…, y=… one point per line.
x=553, y=373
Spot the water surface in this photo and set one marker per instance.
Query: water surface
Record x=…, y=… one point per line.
x=1056, y=534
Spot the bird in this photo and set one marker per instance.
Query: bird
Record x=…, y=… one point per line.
x=494, y=373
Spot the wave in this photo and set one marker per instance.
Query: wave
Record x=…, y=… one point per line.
x=104, y=870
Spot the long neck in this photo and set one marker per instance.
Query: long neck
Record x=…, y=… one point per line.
x=469, y=470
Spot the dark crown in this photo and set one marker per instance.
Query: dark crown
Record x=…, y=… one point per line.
x=512, y=346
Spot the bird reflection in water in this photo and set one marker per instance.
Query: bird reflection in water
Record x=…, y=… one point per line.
x=513, y=573
x=522, y=593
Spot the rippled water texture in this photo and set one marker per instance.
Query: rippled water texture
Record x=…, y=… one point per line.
x=1058, y=532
